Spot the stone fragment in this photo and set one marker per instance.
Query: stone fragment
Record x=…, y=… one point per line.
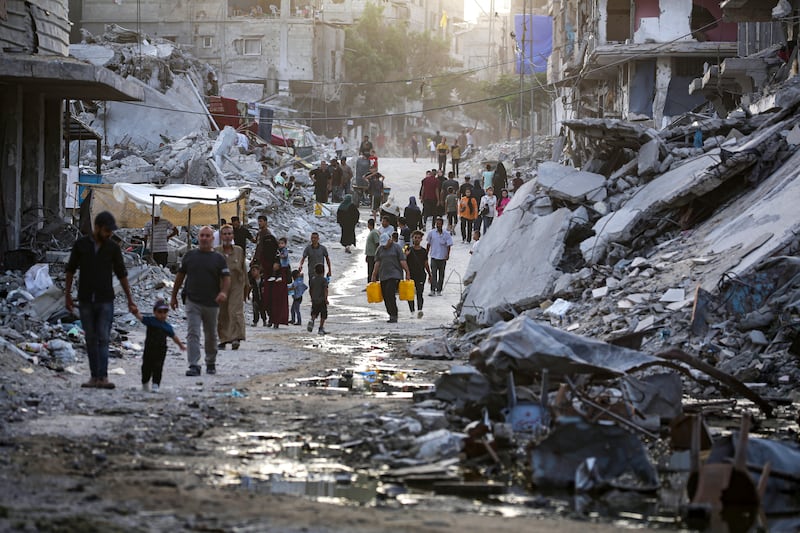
x=757, y=337
x=648, y=161
x=673, y=295
x=568, y=183
x=599, y=292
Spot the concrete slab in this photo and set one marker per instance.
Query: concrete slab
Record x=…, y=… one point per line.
x=96, y=54
x=670, y=189
x=568, y=183
x=525, y=248
x=766, y=216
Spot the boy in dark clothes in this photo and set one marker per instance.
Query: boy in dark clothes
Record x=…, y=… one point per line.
x=256, y=286
x=155, y=344
x=318, y=289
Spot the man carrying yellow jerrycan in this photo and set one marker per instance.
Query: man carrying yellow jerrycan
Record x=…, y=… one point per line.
x=390, y=267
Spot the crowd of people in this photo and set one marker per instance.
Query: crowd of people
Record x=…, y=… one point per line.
x=216, y=279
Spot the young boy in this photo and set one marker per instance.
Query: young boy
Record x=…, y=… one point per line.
x=451, y=208
x=318, y=288
x=256, y=286
x=296, y=290
x=155, y=344
x=404, y=231
x=476, y=236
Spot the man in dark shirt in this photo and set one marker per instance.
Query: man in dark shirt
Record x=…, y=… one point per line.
x=429, y=191
x=321, y=177
x=241, y=234
x=466, y=185
x=366, y=147
x=97, y=256
x=336, y=180
x=208, y=281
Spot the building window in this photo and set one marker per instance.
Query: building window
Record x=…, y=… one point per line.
x=252, y=47
x=208, y=41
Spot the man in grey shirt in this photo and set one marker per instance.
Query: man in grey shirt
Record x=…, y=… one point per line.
x=208, y=281
x=390, y=266
x=316, y=253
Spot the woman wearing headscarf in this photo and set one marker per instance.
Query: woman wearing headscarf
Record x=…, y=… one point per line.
x=347, y=218
x=413, y=214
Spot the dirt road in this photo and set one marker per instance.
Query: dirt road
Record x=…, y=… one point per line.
x=235, y=450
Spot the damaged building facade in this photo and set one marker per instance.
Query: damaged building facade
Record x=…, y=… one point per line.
x=36, y=78
x=634, y=59
x=282, y=48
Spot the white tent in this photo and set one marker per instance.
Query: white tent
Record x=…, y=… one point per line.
x=133, y=204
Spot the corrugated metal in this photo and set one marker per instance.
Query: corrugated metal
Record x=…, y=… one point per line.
x=16, y=32
x=757, y=36
x=40, y=27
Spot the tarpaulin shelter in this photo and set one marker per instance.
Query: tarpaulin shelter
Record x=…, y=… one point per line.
x=133, y=205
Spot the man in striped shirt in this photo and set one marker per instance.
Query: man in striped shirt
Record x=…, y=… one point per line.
x=158, y=232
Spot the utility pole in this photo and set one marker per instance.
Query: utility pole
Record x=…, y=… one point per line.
x=522, y=68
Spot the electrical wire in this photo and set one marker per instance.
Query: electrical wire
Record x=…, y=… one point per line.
x=576, y=77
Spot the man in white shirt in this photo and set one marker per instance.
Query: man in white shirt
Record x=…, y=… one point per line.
x=439, y=243
x=338, y=145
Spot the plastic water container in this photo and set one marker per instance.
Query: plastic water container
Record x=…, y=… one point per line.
x=374, y=294
x=406, y=289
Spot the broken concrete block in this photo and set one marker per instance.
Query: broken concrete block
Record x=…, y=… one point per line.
x=645, y=324
x=568, y=183
x=673, y=295
x=601, y=208
x=597, y=195
x=525, y=283
x=599, y=292
x=558, y=309
x=612, y=282
x=542, y=206
x=757, y=337
x=793, y=136
x=677, y=306
x=648, y=158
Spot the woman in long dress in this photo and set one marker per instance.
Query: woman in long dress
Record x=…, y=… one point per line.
x=347, y=217
x=230, y=322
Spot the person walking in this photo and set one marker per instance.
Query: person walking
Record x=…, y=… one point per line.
x=158, y=232
x=97, y=257
x=241, y=235
x=318, y=289
x=365, y=148
x=455, y=157
x=347, y=218
x=256, y=289
x=417, y=260
x=502, y=202
x=413, y=214
x=429, y=192
x=338, y=145
x=390, y=265
x=155, y=344
x=451, y=209
x=414, y=143
x=266, y=248
x=439, y=244
x=488, y=209
x=371, y=247
x=442, y=150
x=468, y=211
x=347, y=177
x=432, y=149
x=208, y=281
x=296, y=291
x=230, y=321
x=321, y=177
x=488, y=174
x=316, y=254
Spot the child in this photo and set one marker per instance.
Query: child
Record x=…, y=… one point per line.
x=155, y=344
x=476, y=236
x=256, y=286
x=451, y=208
x=283, y=255
x=277, y=289
x=296, y=290
x=318, y=288
x=404, y=231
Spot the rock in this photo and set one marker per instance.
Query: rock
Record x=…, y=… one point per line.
x=568, y=183
x=757, y=337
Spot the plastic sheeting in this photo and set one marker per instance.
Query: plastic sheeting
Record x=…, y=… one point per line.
x=132, y=204
x=526, y=346
x=556, y=460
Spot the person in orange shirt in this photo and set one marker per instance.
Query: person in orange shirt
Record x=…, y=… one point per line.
x=468, y=211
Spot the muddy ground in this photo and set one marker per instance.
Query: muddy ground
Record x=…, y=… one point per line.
x=257, y=447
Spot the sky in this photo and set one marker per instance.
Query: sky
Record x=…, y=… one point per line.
x=472, y=8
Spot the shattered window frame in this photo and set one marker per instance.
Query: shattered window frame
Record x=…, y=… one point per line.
x=207, y=41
